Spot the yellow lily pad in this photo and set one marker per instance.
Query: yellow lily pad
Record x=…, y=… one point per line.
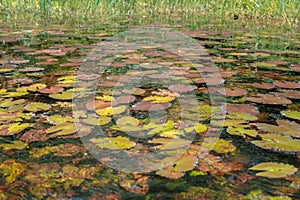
x=58, y=119
x=16, y=144
x=11, y=170
x=103, y=120
x=109, y=111
x=159, y=99
x=36, y=106
x=62, y=129
x=291, y=114
x=67, y=95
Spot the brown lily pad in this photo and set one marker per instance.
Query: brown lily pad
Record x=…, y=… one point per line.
x=269, y=99
x=182, y=88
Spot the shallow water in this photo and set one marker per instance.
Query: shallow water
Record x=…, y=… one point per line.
x=44, y=153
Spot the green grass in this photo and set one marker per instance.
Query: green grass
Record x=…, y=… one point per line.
x=282, y=11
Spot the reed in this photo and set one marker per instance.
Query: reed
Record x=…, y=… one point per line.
x=58, y=11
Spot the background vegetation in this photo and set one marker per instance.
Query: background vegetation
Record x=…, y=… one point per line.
x=285, y=11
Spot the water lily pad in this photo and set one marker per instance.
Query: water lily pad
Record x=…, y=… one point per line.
x=241, y=116
x=6, y=103
x=269, y=99
x=11, y=170
x=109, y=111
x=127, y=121
x=13, y=128
x=159, y=99
x=36, y=106
x=114, y=143
x=291, y=114
x=51, y=90
x=100, y=121
x=175, y=133
x=170, y=144
x=274, y=170
x=67, y=95
x=284, y=127
x=220, y=146
x=58, y=119
x=278, y=142
x=240, y=131
x=287, y=84
x=169, y=172
x=60, y=150
x=185, y=163
x=199, y=128
x=16, y=144
x=182, y=88
x=62, y=129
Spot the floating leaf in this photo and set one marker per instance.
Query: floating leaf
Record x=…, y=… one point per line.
x=185, y=163
x=36, y=106
x=169, y=172
x=13, y=128
x=103, y=120
x=109, y=111
x=278, y=142
x=241, y=132
x=105, y=98
x=242, y=116
x=159, y=99
x=172, y=133
x=114, y=143
x=58, y=119
x=51, y=90
x=62, y=129
x=284, y=127
x=287, y=84
x=291, y=114
x=60, y=150
x=199, y=128
x=67, y=95
x=274, y=170
x=16, y=144
x=11, y=170
x=218, y=145
x=170, y=144
x=127, y=121
x=182, y=88
x=269, y=99
x=9, y=102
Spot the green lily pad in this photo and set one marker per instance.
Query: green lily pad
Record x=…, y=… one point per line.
x=9, y=102
x=284, y=127
x=100, y=121
x=36, y=106
x=278, y=142
x=185, y=163
x=241, y=116
x=291, y=114
x=114, y=143
x=274, y=170
x=240, y=131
